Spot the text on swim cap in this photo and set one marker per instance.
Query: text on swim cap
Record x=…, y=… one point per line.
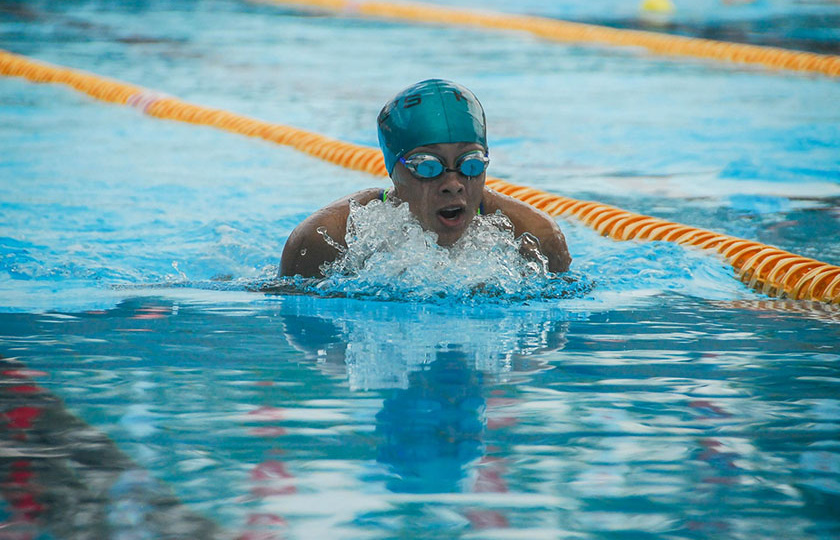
x=416, y=99
x=412, y=100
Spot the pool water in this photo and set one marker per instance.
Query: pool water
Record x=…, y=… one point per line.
x=147, y=390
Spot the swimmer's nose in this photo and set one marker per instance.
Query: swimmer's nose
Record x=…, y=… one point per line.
x=451, y=183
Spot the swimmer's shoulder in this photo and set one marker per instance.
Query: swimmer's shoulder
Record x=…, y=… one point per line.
x=335, y=214
x=306, y=250
x=522, y=215
x=528, y=219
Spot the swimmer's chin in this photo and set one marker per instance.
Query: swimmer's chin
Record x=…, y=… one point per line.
x=448, y=239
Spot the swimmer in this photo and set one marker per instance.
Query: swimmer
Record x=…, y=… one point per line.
x=433, y=137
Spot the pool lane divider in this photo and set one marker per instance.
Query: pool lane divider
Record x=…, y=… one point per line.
x=580, y=33
x=769, y=270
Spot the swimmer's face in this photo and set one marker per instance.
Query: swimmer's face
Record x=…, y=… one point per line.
x=447, y=204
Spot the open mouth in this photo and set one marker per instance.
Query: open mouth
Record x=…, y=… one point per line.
x=451, y=215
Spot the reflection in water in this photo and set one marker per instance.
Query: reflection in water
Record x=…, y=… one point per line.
x=324, y=417
x=432, y=364
x=380, y=344
x=433, y=428
x=60, y=474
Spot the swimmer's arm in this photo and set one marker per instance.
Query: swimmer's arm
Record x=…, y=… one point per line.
x=527, y=219
x=306, y=249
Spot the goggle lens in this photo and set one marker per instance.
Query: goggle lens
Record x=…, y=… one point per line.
x=472, y=166
x=428, y=167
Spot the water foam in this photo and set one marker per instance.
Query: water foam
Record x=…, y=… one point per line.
x=390, y=256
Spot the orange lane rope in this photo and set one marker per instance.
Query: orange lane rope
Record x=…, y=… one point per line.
x=769, y=270
x=766, y=269
x=570, y=32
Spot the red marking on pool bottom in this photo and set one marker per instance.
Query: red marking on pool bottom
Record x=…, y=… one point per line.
x=22, y=417
x=266, y=519
x=267, y=491
x=267, y=413
x=502, y=401
x=274, y=474
x=709, y=407
x=25, y=389
x=487, y=519
x=270, y=470
x=259, y=535
x=23, y=373
x=500, y=422
x=23, y=502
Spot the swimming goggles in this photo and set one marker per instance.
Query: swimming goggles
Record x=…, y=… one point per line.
x=429, y=167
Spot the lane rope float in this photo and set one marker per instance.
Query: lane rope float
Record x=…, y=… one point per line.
x=766, y=269
x=571, y=32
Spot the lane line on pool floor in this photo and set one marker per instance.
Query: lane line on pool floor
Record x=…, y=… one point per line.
x=572, y=32
x=767, y=269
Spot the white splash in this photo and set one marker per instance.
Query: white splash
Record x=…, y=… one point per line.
x=390, y=255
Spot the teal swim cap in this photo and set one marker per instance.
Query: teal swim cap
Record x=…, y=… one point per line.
x=430, y=112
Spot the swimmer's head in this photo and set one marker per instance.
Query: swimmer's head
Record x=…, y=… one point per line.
x=430, y=112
